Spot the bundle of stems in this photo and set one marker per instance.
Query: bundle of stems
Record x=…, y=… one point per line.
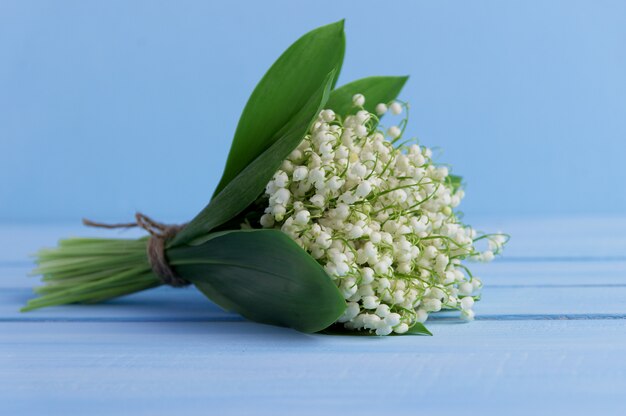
x=91, y=270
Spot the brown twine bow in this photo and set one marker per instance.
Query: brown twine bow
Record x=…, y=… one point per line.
x=159, y=234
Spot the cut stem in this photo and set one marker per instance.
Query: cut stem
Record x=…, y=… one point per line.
x=90, y=270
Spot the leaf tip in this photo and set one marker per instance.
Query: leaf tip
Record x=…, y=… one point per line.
x=419, y=329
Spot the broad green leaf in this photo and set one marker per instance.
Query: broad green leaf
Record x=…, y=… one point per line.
x=418, y=329
x=286, y=87
x=250, y=183
x=264, y=276
x=375, y=89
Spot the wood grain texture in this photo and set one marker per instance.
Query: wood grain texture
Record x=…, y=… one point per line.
x=545, y=367
x=549, y=338
x=581, y=237
x=188, y=304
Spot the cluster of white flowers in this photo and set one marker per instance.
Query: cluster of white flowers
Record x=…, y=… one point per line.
x=379, y=217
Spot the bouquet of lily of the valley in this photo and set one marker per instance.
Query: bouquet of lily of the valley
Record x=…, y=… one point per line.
x=322, y=220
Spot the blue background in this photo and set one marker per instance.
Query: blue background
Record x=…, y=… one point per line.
x=117, y=106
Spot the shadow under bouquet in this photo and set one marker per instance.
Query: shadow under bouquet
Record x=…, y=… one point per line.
x=322, y=220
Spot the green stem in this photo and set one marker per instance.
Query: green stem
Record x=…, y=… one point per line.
x=89, y=270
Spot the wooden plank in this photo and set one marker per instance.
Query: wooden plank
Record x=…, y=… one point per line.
x=498, y=273
x=551, y=238
x=537, y=273
x=188, y=304
x=17, y=276
x=491, y=368
x=581, y=237
x=548, y=340
x=160, y=304
x=531, y=289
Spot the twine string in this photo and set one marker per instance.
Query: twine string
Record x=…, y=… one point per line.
x=155, y=250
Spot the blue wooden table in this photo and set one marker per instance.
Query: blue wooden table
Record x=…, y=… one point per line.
x=549, y=338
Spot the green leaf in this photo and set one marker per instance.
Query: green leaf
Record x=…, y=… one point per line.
x=281, y=93
x=455, y=181
x=375, y=89
x=418, y=329
x=250, y=183
x=264, y=276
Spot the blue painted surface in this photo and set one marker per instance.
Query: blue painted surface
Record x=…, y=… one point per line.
x=526, y=97
x=549, y=339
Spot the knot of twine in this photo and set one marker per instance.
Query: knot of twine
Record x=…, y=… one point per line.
x=159, y=234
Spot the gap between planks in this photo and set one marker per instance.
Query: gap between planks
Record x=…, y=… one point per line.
x=432, y=319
